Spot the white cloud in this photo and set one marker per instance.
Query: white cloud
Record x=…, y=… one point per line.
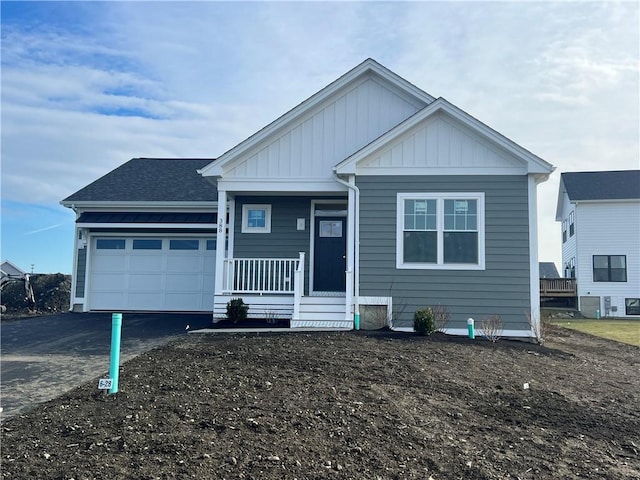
x=561, y=79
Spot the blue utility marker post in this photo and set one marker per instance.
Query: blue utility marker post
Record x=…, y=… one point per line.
x=114, y=365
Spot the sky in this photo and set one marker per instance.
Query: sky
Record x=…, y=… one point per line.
x=87, y=86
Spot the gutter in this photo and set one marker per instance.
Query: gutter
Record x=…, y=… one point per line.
x=356, y=252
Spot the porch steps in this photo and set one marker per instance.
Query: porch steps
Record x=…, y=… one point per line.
x=322, y=312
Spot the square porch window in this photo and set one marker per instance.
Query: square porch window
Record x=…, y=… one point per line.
x=256, y=218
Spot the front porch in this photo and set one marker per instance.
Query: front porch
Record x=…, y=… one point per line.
x=273, y=288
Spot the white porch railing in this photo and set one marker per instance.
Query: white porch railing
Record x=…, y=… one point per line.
x=263, y=275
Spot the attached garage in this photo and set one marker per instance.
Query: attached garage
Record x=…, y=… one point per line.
x=151, y=273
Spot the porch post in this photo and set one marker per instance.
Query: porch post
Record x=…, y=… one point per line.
x=298, y=286
x=221, y=241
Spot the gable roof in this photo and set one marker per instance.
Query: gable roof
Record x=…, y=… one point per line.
x=369, y=66
x=150, y=180
x=548, y=270
x=534, y=163
x=8, y=268
x=605, y=185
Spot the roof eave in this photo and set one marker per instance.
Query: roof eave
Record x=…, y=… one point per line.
x=87, y=204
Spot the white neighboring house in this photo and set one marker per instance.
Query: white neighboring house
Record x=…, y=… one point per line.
x=9, y=269
x=600, y=215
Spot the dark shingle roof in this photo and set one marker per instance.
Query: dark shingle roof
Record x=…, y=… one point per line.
x=548, y=270
x=607, y=185
x=151, y=180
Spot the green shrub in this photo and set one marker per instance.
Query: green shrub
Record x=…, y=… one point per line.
x=237, y=310
x=424, y=322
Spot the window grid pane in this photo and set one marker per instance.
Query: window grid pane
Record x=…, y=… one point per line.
x=460, y=215
x=256, y=218
x=110, y=243
x=184, y=244
x=420, y=247
x=420, y=215
x=147, y=244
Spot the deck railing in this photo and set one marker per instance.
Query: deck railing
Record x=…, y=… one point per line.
x=261, y=275
x=558, y=287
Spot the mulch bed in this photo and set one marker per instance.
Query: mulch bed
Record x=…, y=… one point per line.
x=251, y=324
x=356, y=405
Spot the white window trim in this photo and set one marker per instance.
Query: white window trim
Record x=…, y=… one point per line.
x=245, y=218
x=439, y=197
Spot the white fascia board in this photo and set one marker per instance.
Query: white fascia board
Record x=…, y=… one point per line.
x=534, y=163
x=185, y=226
x=560, y=204
x=606, y=200
x=280, y=185
x=217, y=168
x=92, y=206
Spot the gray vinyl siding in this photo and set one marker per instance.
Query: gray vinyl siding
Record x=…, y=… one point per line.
x=284, y=240
x=81, y=272
x=501, y=289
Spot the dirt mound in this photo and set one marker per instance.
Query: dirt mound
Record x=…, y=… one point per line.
x=345, y=405
x=51, y=291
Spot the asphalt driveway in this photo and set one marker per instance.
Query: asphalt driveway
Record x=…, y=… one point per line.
x=42, y=357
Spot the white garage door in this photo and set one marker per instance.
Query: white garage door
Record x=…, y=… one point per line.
x=152, y=274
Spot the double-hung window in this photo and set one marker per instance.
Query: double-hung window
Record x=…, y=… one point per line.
x=440, y=231
x=572, y=226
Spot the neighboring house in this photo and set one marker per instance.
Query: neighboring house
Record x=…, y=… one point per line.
x=600, y=217
x=548, y=270
x=9, y=269
x=369, y=198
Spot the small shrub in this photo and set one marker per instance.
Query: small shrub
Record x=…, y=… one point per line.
x=492, y=328
x=237, y=310
x=423, y=321
x=441, y=317
x=539, y=329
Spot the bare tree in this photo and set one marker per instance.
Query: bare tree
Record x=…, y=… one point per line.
x=442, y=317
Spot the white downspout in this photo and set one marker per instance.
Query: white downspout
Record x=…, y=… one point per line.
x=356, y=249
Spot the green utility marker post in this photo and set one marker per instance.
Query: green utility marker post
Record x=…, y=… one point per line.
x=471, y=328
x=114, y=364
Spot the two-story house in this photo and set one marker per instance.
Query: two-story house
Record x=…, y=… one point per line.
x=600, y=215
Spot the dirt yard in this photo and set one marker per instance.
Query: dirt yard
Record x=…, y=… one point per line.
x=350, y=405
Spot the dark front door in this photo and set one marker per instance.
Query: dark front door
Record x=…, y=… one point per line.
x=329, y=257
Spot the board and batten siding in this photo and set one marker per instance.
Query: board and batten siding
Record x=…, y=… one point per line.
x=503, y=288
x=608, y=228
x=441, y=142
x=343, y=124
